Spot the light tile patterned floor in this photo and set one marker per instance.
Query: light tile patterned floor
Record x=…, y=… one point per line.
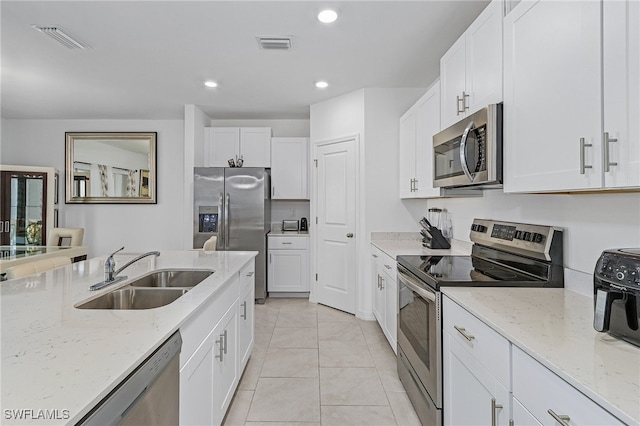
x=313, y=365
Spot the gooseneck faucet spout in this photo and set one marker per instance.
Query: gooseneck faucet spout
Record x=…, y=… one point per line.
x=111, y=274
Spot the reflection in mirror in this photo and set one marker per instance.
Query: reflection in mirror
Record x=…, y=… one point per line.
x=111, y=167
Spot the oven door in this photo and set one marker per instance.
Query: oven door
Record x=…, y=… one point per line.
x=420, y=331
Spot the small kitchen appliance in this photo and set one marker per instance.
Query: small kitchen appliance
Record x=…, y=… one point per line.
x=469, y=153
x=304, y=226
x=616, y=288
x=504, y=254
x=290, y=225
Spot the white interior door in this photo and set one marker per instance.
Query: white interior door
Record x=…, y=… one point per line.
x=336, y=213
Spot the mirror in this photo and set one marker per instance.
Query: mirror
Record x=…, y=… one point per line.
x=111, y=167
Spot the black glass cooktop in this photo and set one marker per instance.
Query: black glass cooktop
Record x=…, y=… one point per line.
x=465, y=271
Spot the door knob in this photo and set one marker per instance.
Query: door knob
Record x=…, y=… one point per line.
x=350, y=235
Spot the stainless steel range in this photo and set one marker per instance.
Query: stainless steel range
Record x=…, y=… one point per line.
x=504, y=254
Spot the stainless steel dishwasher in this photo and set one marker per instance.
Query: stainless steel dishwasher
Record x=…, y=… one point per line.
x=148, y=396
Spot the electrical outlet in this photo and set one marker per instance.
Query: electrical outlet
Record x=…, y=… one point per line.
x=292, y=212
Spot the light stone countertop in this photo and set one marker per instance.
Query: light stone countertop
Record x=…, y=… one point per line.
x=399, y=243
x=281, y=233
x=57, y=357
x=554, y=326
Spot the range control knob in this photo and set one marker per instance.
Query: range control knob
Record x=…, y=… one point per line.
x=620, y=275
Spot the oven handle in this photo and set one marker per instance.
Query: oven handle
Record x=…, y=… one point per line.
x=463, y=150
x=413, y=285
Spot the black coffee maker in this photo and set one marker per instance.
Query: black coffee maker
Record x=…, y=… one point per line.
x=304, y=226
x=616, y=288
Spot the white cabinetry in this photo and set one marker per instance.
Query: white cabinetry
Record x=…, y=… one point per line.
x=251, y=144
x=471, y=70
x=216, y=345
x=290, y=168
x=539, y=395
x=417, y=127
x=555, y=102
x=246, y=309
x=288, y=268
x=475, y=370
x=385, y=299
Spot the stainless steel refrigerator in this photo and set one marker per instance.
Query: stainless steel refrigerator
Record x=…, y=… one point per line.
x=234, y=205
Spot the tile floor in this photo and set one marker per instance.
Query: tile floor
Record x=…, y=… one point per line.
x=314, y=365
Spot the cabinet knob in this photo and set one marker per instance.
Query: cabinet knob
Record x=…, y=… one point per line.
x=350, y=235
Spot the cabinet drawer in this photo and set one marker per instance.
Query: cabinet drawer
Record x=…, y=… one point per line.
x=386, y=262
x=486, y=345
x=540, y=390
x=288, y=243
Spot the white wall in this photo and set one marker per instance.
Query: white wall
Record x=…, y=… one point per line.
x=138, y=227
x=373, y=115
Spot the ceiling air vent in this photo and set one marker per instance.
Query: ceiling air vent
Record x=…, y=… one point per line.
x=61, y=37
x=274, y=43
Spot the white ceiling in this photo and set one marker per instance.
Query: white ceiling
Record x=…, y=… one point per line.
x=149, y=58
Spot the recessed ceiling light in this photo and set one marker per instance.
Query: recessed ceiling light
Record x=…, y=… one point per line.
x=210, y=83
x=327, y=16
x=322, y=84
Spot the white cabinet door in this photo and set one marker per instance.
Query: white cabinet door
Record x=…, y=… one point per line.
x=427, y=125
x=548, y=393
x=288, y=271
x=255, y=146
x=196, y=386
x=246, y=311
x=452, y=83
x=390, y=287
x=483, y=51
x=407, y=154
x=221, y=145
x=621, y=67
x=552, y=87
x=472, y=396
x=290, y=168
x=225, y=363
x=471, y=70
x=417, y=127
x=521, y=416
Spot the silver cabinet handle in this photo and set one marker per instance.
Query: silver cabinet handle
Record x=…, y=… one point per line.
x=381, y=283
x=511, y=422
x=464, y=333
x=226, y=340
x=494, y=407
x=465, y=96
x=378, y=276
x=606, y=141
x=273, y=191
x=387, y=266
x=250, y=274
x=220, y=344
x=458, y=101
x=560, y=418
x=583, y=146
x=287, y=243
x=350, y=235
x=415, y=185
x=244, y=306
x=375, y=255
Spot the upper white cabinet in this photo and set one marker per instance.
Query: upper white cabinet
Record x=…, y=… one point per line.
x=471, y=70
x=417, y=127
x=290, y=168
x=251, y=144
x=555, y=102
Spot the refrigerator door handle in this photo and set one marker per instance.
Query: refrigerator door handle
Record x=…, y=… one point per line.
x=221, y=241
x=227, y=231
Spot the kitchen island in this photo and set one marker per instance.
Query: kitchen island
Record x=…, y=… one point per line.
x=59, y=361
x=554, y=327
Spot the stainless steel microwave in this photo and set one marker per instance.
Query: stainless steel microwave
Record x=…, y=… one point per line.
x=469, y=153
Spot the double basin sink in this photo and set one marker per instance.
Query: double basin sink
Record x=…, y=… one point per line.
x=156, y=289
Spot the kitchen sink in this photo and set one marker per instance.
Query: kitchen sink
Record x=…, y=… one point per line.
x=134, y=298
x=184, y=278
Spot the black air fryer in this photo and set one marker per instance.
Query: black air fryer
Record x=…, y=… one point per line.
x=616, y=287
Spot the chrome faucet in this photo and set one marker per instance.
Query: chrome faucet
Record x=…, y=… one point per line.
x=110, y=272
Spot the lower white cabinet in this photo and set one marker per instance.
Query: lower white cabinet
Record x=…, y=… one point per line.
x=246, y=309
x=385, y=299
x=487, y=380
x=288, y=267
x=216, y=344
x=545, y=397
x=475, y=370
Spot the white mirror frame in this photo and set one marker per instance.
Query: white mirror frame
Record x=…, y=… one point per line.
x=72, y=138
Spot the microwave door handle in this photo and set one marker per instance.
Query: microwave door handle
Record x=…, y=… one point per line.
x=463, y=150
